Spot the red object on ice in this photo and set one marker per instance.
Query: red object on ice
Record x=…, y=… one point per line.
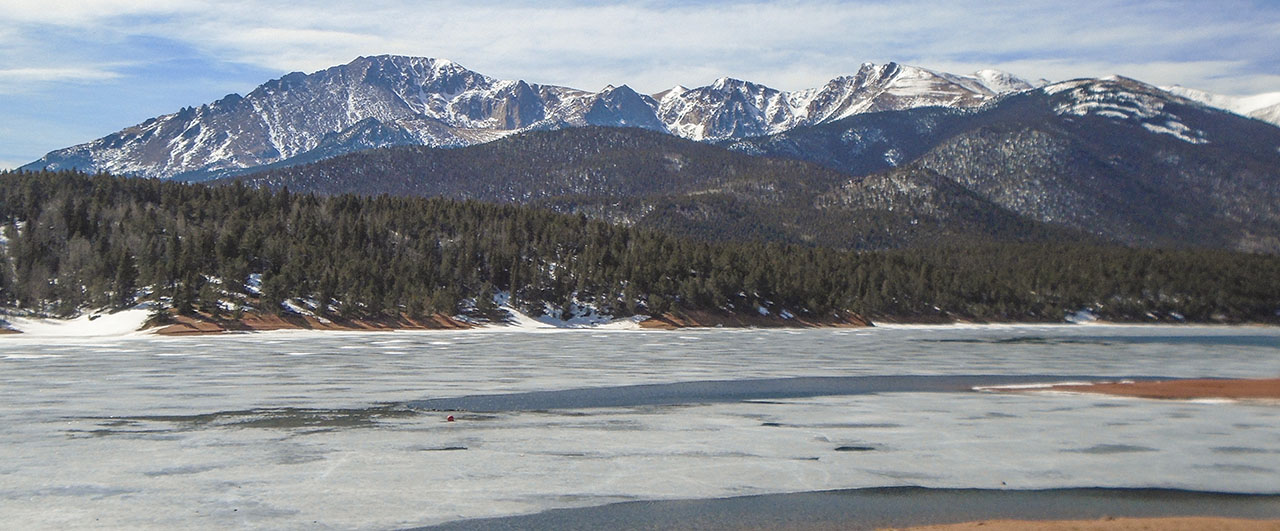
x=449, y=418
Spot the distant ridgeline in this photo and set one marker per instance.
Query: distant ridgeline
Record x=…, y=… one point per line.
x=71, y=242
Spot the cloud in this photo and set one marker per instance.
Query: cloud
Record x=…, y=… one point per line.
x=654, y=45
x=20, y=79
x=158, y=55
x=92, y=13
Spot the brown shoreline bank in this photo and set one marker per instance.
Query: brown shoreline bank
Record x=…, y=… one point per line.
x=909, y=508
x=1236, y=389
x=1110, y=524
x=204, y=324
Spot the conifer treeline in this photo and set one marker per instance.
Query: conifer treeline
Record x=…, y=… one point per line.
x=75, y=241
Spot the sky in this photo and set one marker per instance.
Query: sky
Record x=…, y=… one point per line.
x=73, y=71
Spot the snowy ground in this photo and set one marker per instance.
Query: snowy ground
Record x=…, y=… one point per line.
x=95, y=325
x=522, y=321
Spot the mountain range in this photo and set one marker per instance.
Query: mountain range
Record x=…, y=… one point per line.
x=394, y=100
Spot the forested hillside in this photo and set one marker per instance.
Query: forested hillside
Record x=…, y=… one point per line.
x=656, y=181
x=73, y=242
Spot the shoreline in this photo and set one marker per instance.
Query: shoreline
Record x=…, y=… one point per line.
x=705, y=319
x=1187, y=389
x=900, y=508
x=205, y=324
x=186, y=325
x=201, y=324
x=1186, y=523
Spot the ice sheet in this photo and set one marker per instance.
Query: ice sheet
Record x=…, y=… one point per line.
x=306, y=430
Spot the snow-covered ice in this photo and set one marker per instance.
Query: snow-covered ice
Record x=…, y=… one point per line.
x=315, y=429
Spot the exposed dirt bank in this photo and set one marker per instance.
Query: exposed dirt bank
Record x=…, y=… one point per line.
x=1112, y=524
x=199, y=324
x=1184, y=389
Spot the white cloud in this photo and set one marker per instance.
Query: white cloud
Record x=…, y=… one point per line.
x=653, y=46
x=14, y=80
x=791, y=45
x=57, y=74
x=91, y=12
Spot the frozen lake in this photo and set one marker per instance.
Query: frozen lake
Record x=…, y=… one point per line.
x=348, y=430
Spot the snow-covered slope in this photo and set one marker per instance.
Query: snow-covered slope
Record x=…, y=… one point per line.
x=731, y=108
x=1269, y=114
x=1123, y=99
x=391, y=100
x=419, y=100
x=1265, y=107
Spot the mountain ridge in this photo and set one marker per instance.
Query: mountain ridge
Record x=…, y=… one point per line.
x=436, y=102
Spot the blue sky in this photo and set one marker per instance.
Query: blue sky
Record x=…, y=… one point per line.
x=72, y=71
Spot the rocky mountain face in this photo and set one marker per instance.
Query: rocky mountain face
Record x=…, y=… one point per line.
x=731, y=108
x=393, y=100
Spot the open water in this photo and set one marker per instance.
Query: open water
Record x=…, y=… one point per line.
x=349, y=430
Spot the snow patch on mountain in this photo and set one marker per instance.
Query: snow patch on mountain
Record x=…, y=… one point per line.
x=1177, y=130
x=1122, y=99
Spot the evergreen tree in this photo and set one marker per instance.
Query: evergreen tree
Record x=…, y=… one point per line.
x=125, y=283
x=75, y=242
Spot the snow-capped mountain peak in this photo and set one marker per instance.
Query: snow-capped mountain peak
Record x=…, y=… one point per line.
x=388, y=99
x=1000, y=82
x=731, y=108
x=724, y=83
